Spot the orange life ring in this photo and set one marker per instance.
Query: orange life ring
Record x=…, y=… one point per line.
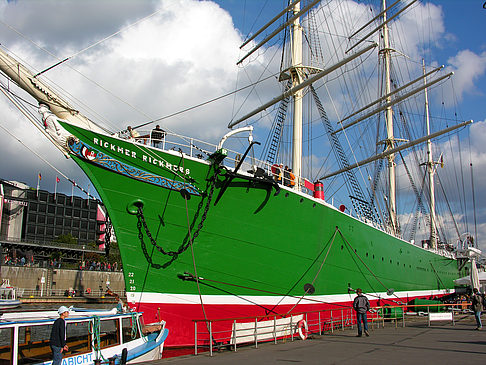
x=88, y=291
x=303, y=329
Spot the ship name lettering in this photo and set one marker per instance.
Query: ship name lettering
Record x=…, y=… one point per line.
x=145, y=158
x=113, y=147
x=80, y=359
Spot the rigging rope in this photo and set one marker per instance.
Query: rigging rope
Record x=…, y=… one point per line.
x=50, y=165
x=318, y=271
x=193, y=255
x=96, y=335
x=371, y=272
x=90, y=46
x=204, y=103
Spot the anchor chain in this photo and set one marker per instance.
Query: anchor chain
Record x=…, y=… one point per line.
x=143, y=227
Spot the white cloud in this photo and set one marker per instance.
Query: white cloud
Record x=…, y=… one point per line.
x=183, y=55
x=468, y=67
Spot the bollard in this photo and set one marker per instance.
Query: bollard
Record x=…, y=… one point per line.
x=195, y=337
x=210, y=339
x=124, y=355
x=234, y=333
x=256, y=333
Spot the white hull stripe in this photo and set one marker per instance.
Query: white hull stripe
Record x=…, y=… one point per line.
x=155, y=298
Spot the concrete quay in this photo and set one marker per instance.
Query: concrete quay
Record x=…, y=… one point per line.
x=441, y=343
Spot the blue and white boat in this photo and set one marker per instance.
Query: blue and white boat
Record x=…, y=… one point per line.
x=93, y=337
x=8, y=298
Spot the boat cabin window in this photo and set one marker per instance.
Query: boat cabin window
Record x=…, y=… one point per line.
x=7, y=293
x=34, y=344
x=6, y=338
x=129, y=329
x=109, y=333
x=78, y=337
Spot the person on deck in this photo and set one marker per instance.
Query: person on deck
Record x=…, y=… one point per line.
x=361, y=305
x=157, y=136
x=132, y=133
x=58, y=336
x=477, y=307
x=292, y=178
x=286, y=176
x=277, y=173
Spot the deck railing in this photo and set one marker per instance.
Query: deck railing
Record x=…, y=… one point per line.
x=200, y=149
x=216, y=334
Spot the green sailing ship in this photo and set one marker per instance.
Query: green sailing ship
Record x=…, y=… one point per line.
x=207, y=232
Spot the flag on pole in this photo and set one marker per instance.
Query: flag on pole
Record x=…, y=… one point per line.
x=55, y=187
x=39, y=177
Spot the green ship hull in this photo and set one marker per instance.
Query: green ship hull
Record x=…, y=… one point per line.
x=253, y=246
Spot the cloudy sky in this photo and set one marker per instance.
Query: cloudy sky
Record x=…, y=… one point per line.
x=158, y=57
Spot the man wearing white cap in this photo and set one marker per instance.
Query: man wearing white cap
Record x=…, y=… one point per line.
x=58, y=336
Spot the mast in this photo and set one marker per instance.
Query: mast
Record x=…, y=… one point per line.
x=390, y=140
x=297, y=78
x=430, y=171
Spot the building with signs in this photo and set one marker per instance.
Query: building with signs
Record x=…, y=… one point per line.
x=38, y=216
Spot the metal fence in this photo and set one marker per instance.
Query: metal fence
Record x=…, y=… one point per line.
x=26, y=293
x=228, y=333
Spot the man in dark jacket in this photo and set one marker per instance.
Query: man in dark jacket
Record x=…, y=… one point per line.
x=157, y=135
x=477, y=307
x=361, y=305
x=58, y=336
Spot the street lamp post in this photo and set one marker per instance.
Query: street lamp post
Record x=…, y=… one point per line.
x=82, y=257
